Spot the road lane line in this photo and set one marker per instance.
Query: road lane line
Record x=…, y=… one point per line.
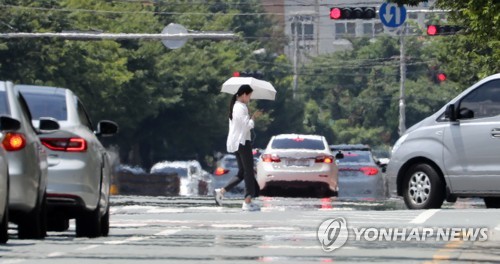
x=445, y=253
x=424, y=216
x=56, y=254
x=130, y=239
x=88, y=247
x=166, y=232
x=238, y=226
x=13, y=261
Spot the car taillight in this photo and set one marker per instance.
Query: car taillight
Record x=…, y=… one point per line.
x=65, y=144
x=220, y=171
x=369, y=171
x=14, y=141
x=324, y=159
x=270, y=158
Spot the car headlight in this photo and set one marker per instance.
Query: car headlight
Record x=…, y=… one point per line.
x=398, y=143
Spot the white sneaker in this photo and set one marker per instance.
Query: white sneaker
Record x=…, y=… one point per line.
x=250, y=207
x=218, y=197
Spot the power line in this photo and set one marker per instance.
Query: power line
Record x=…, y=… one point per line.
x=193, y=13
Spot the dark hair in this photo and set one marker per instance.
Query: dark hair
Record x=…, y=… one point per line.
x=244, y=89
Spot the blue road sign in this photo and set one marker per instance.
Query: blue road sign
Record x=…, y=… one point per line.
x=392, y=15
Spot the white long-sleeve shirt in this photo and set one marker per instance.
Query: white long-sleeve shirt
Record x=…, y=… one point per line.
x=239, y=127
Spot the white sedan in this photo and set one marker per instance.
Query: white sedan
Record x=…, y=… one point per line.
x=297, y=161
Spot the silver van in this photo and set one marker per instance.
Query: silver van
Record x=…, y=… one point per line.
x=453, y=153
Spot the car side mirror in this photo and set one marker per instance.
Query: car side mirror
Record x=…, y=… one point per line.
x=339, y=155
x=48, y=124
x=106, y=128
x=450, y=113
x=9, y=123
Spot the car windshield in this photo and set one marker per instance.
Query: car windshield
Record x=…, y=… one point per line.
x=4, y=107
x=297, y=143
x=46, y=105
x=356, y=156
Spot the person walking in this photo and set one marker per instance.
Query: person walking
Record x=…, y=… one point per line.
x=239, y=143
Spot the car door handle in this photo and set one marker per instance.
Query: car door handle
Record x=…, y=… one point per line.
x=495, y=132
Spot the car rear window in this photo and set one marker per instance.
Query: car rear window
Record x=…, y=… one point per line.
x=297, y=143
x=356, y=157
x=4, y=105
x=46, y=105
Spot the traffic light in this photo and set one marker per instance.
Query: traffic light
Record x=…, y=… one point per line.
x=436, y=75
x=441, y=77
x=437, y=30
x=339, y=13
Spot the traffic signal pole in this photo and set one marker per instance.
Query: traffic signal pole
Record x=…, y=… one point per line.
x=402, y=70
x=295, y=59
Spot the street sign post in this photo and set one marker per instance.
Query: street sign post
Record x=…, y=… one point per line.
x=392, y=15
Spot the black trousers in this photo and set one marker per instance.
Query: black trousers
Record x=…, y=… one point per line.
x=244, y=157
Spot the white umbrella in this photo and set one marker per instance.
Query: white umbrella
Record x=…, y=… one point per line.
x=261, y=89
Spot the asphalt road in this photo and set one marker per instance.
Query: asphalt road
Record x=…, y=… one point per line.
x=194, y=230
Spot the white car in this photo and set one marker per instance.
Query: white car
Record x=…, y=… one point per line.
x=27, y=161
x=299, y=162
x=6, y=124
x=79, y=166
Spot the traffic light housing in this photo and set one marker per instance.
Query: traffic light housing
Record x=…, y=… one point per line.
x=441, y=30
x=436, y=75
x=344, y=13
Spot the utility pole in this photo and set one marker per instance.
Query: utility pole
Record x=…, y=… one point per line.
x=295, y=55
x=402, y=70
x=316, y=26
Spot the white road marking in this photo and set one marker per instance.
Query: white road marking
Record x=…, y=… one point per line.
x=56, y=254
x=231, y=226
x=13, y=261
x=424, y=216
x=166, y=232
x=130, y=239
x=165, y=210
x=88, y=247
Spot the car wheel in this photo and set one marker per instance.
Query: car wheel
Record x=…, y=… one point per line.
x=88, y=224
x=58, y=224
x=492, y=202
x=423, y=188
x=4, y=226
x=34, y=224
x=105, y=223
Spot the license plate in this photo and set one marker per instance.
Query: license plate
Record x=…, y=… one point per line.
x=348, y=173
x=298, y=162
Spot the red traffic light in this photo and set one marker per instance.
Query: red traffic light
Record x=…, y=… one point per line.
x=441, y=77
x=338, y=13
x=432, y=30
x=435, y=30
x=335, y=13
